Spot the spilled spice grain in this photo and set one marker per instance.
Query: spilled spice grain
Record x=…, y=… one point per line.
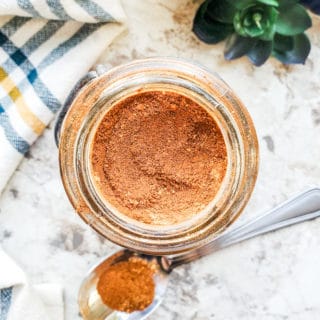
x=158, y=157
x=128, y=285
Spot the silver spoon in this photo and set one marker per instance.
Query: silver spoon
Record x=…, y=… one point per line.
x=303, y=207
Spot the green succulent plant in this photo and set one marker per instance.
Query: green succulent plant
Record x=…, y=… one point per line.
x=256, y=28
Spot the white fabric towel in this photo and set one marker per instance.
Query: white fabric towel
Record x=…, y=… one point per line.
x=19, y=300
x=45, y=47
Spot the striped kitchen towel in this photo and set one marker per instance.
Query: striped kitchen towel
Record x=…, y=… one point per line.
x=45, y=47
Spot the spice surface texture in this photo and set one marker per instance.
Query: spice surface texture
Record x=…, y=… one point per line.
x=158, y=157
x=127, y=286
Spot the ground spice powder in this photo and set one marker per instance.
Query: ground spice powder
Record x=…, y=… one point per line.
x=127, y=286
x=158, y=157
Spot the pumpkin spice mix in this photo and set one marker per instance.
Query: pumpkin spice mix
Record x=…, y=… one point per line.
x=128, y=285
x=158, y=157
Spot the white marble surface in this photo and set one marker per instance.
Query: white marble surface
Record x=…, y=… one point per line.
x=272, y=277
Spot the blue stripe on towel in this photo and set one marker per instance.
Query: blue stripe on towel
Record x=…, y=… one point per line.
x=27, y=6
x=67, y=45
x=13, y=25
x=95, y=11
x=26, y=66
x=46, y=32
x=57, y=8
x=3, y=39
x=15, y=140
x=41, y=90
x=44, y=94
x=5, y=302
x=18, y=57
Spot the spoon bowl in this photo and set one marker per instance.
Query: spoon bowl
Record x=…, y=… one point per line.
x=90, y=303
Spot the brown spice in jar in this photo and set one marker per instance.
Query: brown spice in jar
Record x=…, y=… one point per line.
x=158, y=157
x=127, y=286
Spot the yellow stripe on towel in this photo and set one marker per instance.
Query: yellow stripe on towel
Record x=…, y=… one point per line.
x=16, y=96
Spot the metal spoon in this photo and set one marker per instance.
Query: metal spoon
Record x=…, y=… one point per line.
x=303, y=207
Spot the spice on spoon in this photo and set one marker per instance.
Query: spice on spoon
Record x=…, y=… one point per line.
x=127, y=286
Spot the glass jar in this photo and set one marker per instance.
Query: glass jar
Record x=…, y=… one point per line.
x=89, y=106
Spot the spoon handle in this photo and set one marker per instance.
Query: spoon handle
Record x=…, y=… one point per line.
x=303, y=207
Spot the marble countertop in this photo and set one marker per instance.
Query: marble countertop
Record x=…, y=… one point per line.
x=273, y=277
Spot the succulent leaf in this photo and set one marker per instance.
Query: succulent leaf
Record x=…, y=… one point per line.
x=208, y=30
x=299, y=52
x=256, y=21
x=260, y=53
x=238, y=46
x=287, y=3
x=274, y=3
x=282, y=43
x=241, y=4
x=293, y=20
x=221, y=11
